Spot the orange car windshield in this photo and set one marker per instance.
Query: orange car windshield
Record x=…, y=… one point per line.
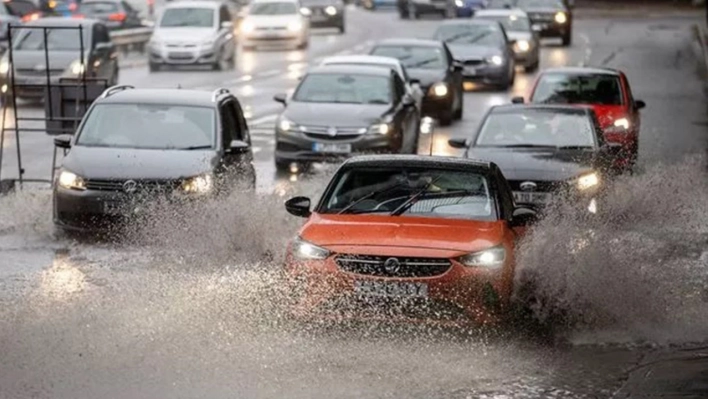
x=409, y=191
x=562, y=88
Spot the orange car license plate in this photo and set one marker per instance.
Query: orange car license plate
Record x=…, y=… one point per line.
x=391, y=289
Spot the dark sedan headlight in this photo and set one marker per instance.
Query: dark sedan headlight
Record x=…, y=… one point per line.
x=438, y=90
x=285, y=125
x=331, y=11
x=380, y=128
x=587, y=181
x=522, y=46
x=71, y=181
x=492, y=258
x=305, y=250
x=561, y=18
x=496, y=60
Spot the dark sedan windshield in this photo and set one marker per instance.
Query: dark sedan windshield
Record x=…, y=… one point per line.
x=438, y=193
x=537, y=127
x=188, y=17
x=414, y=57
x=512, y=23
x=539, y=3
x=483, y=35
x=284, y=8
x=57, y=39
x=149, y=126
x=563, y=88
x=344, y=88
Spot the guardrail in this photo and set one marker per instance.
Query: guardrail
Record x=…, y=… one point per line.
x=134, y=39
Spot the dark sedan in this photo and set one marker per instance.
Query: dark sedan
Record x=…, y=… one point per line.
x=325, y=13
x=114, y=13
x=544, y=151
x=337, y=111
x=431, y=63
x=483, y=49
x=138, y=145
x=551, y=18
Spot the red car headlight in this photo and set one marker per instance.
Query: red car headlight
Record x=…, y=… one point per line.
x=305, y=250
x=492, y=258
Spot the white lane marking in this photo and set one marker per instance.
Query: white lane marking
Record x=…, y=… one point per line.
x=263, y=120
x=244, y=78
x=264, y=136
x=270, y=73
x=588, y=50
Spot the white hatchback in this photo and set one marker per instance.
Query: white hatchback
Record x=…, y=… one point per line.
x=274, y=22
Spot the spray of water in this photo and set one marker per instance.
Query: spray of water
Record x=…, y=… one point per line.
x=634, y=272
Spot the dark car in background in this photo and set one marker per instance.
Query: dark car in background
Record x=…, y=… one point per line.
x=325, y=13
x=116, y=14
x=59, y=8
x=138, y=145
x=337, y=111
x=544, y=151
x=517, y=25
x=551, y=18
x=431, y=63
x=468, y=8
x=483, y=49
x=413, y=9
x=64, y=52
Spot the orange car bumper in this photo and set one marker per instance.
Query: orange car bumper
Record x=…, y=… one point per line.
x=458, y=296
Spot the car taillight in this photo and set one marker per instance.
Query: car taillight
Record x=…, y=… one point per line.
x=30, y=17
x=119, y=16
x=79, y=16
x=72, y=7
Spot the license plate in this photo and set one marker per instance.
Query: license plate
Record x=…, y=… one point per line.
x=181, y=55
x=334, y=148
x=540, y=26
x=391, y=289
x=531, y=198
x=318, y=18
x=470, y=71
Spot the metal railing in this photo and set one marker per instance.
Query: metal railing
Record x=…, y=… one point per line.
x=134, y=39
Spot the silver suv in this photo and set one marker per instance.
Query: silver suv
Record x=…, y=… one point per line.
x=193, y=33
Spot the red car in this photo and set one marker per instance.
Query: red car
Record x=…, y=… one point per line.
x=607, y=91
x=407, y=239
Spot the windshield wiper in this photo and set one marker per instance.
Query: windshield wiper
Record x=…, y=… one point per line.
x=367, y=196
x=196, y=147
x=411, y=200
x=528, y=146
x=574, y=147
x=466, y=34
x=377, y=102
x=424, y=62
x=441, y=194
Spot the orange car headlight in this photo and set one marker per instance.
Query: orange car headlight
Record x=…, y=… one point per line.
x=491, y=258
x=305, y=250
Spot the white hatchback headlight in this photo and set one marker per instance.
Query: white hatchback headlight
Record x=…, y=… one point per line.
x=77, y=67
x=561, y=18
x=380, y=128
x=286, y=125
x=305, y=11
x=305, y=250
x=247, y=27
x=491, y=258
x=522, y=46
x=71, y=181
x=295, y=26
x=4, y=66
x=202, y=184
x=331, y=10
x=588, y=181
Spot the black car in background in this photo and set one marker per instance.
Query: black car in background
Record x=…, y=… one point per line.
x=431, y=63
x=337, y=111
x=116, y=14
x=413, y=9
x=544, y=150
x=483, y=49
x=137, y=145
x=551, y=18
x=325, y=13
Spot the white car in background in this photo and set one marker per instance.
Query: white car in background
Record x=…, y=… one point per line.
x=274, y=22
x=412, y=85
x=193, y=33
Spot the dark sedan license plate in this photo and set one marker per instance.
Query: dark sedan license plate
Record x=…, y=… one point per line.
x=470, y=71
x=391, y=289
x=334, y=148
x=531, y=198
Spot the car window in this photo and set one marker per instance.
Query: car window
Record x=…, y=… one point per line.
x=563, y=88
x=441, y=193
x=404, y=72
x=536, y=127
x=506, y=198
x=229, y=125
x=21, y=8
x=512, y=23
x=241, y=122
x=148, y=126
x=483, y=35
x=273, y=8
x=399, y=87
x=98, y=7
x=344, y=88
x=414, y=57
x=57, y=39
x=101, y=34
x=188, y=17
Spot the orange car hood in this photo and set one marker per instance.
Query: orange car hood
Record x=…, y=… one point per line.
x=401, y=231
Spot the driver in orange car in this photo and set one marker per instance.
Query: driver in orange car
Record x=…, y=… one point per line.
x=407, y=238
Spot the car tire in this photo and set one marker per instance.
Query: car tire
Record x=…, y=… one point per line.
x=154, y=67
x=567, y=39
x=457, y=115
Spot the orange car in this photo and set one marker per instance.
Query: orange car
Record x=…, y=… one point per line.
x=407, y=238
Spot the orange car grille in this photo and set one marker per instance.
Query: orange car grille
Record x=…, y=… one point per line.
x=385, y=266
